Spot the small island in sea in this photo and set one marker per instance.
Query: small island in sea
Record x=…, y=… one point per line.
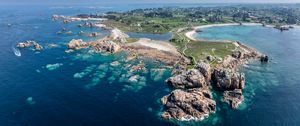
x=201, y=70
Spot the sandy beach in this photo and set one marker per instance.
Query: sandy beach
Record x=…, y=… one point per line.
x=191, y=34
x=159, y=45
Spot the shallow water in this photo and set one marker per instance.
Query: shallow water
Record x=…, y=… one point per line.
x=83, y=88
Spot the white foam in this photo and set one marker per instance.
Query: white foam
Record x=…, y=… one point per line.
x=53, y=66
x=16, y=51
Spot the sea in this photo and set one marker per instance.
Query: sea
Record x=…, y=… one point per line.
x=54, y=88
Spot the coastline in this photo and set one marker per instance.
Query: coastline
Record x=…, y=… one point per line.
x=190, y=34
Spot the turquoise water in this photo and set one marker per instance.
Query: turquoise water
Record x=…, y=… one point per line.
x=83, y=88
x=272, y=90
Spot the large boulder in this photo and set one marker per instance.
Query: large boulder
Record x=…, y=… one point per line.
x=38, y=46
x=77, y=44
x=226, y=79
x=205, y=69
x=234, y=97
x=193, y=104
x=238, y=54
x=107, y=46
x=188, y=79
x=264, y=58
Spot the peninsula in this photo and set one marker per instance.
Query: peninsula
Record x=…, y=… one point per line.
x=199, y=66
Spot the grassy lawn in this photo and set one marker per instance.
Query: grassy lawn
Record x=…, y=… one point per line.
x=131, y=40
x=199, y=50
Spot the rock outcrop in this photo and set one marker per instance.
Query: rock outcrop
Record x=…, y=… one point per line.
x=188, y=79
x=107, y=46
x=193, y=104
x=93, y=34
x=264, y=58
x=227, y=79
x=205, y=69
x=77, y=44
x=237, y=54
x=102, y=45
x=33, y=44
x=37, y=46
x=232, y=83
x=234, y=97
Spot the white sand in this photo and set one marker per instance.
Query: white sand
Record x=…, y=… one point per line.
x=159, y=45
x=117, y=33
x=86, y=19
x=191, y=34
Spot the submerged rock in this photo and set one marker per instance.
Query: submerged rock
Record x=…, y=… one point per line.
x=193, y=104
x=115, y=63
x=30, y=101
x=226, y=79
x=53, y=66
x=157, y=74
x=94, y=34
x=189, y=79
x=264, y=58
x=234, y=98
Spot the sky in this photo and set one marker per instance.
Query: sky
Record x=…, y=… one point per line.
x=146, y=1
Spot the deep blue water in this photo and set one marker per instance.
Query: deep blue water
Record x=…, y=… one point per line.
x=32, y=95
x=86, y=90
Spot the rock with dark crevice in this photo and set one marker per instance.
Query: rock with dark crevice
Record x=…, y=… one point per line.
x=233, y=97
x=192, y=104
x=264, y=58
x=106, y=46
x=205, y=69
x=227, y=79
x=77, y=44
x=188, y=79
x=238, y=54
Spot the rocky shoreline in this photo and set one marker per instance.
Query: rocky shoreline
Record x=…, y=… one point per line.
x=223, y=77
x=191, y=98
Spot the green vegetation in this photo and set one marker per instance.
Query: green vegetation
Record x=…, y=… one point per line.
x=199, y=50
x=149, y=25
x=179, y=20
x=162, y=20
x=130, y=40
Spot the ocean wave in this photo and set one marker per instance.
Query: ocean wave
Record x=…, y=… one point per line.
x=16, y=51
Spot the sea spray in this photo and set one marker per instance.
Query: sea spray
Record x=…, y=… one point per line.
x=16, y=51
